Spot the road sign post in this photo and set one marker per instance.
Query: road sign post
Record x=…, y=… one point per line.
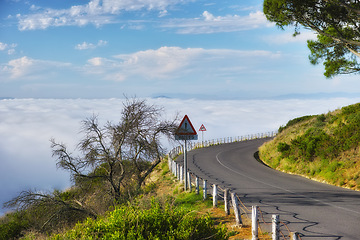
x=185, y=165
x=185, y=132
x=202, y=130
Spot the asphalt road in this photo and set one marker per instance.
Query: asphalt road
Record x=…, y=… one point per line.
x=315, y=210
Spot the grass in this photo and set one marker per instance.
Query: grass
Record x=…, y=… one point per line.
x=322, y=147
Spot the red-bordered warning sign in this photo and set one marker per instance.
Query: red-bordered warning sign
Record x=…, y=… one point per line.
x=202, y=128
x=186, y=127
x=186, y=130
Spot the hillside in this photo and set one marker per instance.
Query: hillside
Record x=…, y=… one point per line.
x=322, y=147
x=163, y=210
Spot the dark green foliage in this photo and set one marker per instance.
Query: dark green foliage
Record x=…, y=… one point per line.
x=337, y=59
x=157, y=222
x=295, y=121
x=284, y=148
x=336, y=22
x=12, y=225
x=316, y=142
x=350, y=109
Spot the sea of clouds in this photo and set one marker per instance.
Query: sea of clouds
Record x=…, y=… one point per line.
x=27, y=125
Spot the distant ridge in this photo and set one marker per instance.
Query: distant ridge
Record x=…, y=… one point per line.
x=248, y=96
x=320, y=95
x=162, y=96
x=3, y=98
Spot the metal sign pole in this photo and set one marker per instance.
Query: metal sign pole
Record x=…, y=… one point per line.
x=202, y=138
x=185, y=131
x=185, y=165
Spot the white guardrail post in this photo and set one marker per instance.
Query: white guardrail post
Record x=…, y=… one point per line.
x=275, y=227
x=204, y=189
x=215, y=195
x=236, y=208
x=254, y=222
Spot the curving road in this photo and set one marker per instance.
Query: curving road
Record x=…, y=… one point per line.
x=315, y=210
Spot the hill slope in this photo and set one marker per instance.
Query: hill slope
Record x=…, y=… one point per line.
x=322, y=147
x=162, y=211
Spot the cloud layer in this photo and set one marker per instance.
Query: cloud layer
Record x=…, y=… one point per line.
x=208, y=23
x=85, y=45
x=26, y=125
x=26, y=68
x=173, y=62
x=96, y=12
x=102, y=12
x=162, y=63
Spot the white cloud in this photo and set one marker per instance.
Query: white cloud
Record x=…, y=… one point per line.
x=85, y=45
x=19, y=67
x=150, y=64
x=10, y=48
x=26, y=125
x=97, y=61
x=287, y=37
x=159, y=63
x=28, y=68
x=172, y=62
x=96, y=12
x=215, y=24
x=3, y=46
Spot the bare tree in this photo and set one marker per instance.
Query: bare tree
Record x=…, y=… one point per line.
x=113, y=158
x=121, y=154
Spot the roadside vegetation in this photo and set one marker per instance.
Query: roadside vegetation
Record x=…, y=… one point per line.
x=323, y=147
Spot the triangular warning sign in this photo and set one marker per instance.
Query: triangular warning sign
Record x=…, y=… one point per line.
x=202, y=128
x=186, y=128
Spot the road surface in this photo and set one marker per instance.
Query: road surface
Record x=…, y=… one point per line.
x=315, y=210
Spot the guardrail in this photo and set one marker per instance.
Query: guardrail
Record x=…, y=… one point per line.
x=229, y=198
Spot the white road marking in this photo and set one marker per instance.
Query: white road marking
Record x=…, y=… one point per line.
x=286, y=190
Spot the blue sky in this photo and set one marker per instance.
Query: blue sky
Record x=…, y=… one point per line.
x=178, y=48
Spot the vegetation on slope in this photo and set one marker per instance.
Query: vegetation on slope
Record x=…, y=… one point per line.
x=323, y=147
x=161, y=210
x=157, y=222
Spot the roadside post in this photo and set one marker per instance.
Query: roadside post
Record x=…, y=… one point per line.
x=185, y=132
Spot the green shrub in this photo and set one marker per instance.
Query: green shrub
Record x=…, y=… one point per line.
x=13, y=225
x=158, y=222
x=295, y=121
x=351, y=109
x=283, y=147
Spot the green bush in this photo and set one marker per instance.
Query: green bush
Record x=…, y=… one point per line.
x=12, y=225
x=283, y=147
x=295, y=121
x=314, y=143
x=158, y=222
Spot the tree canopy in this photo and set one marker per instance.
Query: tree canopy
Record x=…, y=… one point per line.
x=337, y=23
